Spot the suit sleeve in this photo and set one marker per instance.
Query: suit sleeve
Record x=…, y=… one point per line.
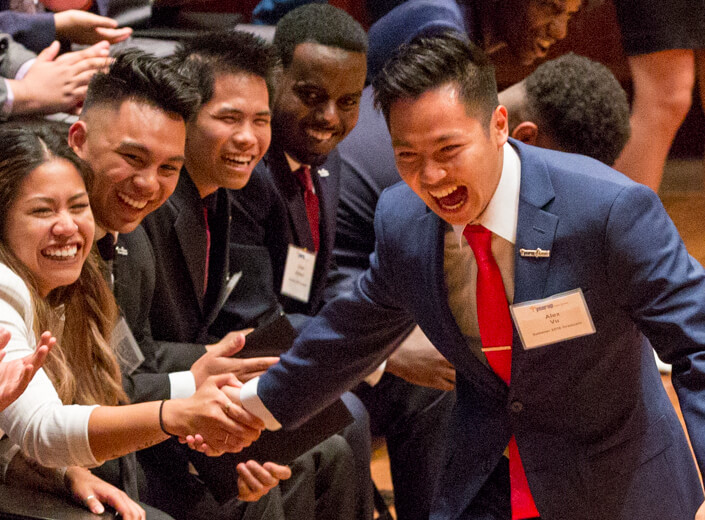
x=34, y=31
x=12, y=57
x=346, y=341
x=663, y=289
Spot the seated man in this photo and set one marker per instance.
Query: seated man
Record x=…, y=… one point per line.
x=290, y=203
x=131, y=133
x=181, y=259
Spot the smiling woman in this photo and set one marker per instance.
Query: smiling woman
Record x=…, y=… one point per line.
x=49, y=279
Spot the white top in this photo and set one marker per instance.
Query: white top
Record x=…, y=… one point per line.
x=53, y=434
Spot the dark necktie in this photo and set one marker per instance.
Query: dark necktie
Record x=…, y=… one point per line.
x=496, y=336
x=303, y=175
x=208, y=249
x=106, y=247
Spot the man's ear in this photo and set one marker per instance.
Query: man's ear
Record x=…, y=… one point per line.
x=77, y=138
x=526, y=132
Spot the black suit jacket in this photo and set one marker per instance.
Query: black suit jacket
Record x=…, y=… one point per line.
x=159, y=275
x=270, y=211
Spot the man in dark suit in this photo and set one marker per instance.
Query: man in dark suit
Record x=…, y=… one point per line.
x=289, y=205
x=570, y=382
x=193, y=276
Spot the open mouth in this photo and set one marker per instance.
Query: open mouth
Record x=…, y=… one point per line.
x=61, y=253
x=451, y=198
x=238, y=160
x=133, y=203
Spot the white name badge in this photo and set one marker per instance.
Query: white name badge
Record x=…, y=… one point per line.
x=298, y=273
x=557, y=318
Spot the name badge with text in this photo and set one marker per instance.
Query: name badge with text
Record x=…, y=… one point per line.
x=298, y=273
x=557, y=318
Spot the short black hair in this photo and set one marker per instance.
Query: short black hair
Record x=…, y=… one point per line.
x=137, y=75
x=580, y=105
x=208, y=55
x=429, y=62
x=318, y=23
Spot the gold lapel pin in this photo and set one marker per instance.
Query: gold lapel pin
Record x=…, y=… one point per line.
x=535, y=253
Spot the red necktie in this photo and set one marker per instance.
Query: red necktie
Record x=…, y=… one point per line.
x=303, y=174
x=496, y=335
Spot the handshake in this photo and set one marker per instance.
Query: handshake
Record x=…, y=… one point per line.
x=213, y=420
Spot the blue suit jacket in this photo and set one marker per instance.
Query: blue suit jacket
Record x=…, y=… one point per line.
x=596, y=431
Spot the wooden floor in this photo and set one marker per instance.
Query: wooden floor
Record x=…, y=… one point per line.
x=683, y=195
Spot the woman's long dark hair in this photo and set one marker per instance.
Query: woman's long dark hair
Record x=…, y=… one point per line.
x=83, y=367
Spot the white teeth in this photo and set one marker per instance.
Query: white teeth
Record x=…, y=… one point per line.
x=241, y=160
x=137, y=204
x=453, y=207
x=61, y=252
x=317, y=134
x=443, y=193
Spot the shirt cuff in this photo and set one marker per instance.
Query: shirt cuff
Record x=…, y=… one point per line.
x=183, y=384
x=253, y=404
x=22, y=71
x=375, y=376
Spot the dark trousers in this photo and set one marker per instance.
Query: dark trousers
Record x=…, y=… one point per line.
x=413, y=419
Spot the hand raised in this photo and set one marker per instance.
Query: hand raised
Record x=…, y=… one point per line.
x=87, y=28
x=15, y=375
x=218, y=360
x=58, y=83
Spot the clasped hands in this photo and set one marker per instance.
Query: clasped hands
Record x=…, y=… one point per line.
x=218, y=374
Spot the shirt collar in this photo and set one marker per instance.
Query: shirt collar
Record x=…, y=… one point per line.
x=293, y=163
x=100, y=233
x=496, y=218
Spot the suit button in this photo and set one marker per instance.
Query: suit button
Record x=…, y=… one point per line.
x=486, y=466
x=516, y=406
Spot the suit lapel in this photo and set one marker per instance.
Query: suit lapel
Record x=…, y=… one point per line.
x=190, y=229
x=536, y=227
x=224, y=287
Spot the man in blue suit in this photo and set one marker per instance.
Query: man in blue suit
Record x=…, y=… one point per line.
x=597, y=435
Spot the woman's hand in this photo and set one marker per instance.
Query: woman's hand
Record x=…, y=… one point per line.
x=15, y=375
x=93, y=492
